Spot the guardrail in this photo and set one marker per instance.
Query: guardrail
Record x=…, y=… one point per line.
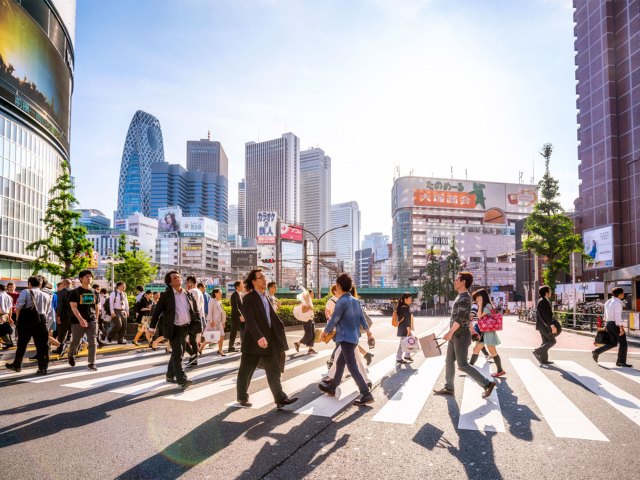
x=583, y=321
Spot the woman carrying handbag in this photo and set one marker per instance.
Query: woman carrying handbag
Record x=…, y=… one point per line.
x=490, y=339
x=405, y=324
x=216, y=318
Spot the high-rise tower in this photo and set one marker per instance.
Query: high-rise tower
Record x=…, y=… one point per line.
x=142, y=147
x=272, y=170
x=207, y=156
x=315, y=193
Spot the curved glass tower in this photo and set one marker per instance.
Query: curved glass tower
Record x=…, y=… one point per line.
x=142, y=148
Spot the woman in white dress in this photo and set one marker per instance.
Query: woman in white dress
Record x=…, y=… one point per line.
x=216, y=319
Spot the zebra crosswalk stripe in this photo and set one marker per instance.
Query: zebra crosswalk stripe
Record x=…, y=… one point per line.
x=625, y=403
x=194, y=394
x=407, y=403
x=326, y=406
x=628, y=373
x=477, y=413
x=563, y=417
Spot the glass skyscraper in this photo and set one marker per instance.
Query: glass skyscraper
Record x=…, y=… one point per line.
x=143, y=147
x=36, y=81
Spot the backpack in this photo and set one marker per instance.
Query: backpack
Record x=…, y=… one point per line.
x=106, y=306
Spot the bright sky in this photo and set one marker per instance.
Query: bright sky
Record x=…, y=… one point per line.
x=423, y=85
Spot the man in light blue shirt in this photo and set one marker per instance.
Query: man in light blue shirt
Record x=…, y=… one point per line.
x=347, y=319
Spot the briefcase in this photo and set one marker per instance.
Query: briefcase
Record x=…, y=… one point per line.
x=430, y=346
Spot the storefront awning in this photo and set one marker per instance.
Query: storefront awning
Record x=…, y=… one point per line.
x=627, y=273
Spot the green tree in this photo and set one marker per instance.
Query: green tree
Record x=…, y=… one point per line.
x=136, y=268
x=433, y=285
x=64, y=250
x=453, y=265
x=549, y=232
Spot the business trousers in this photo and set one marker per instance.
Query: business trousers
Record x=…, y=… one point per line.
x=236, y=325
x=615, y=339
x=348, y=357
x=271, y=365
x=31, y=326
x=174, y=369
x=77, y=332
x=64, y=330
x=548, y=341
x=118, y=325
x=457, y=351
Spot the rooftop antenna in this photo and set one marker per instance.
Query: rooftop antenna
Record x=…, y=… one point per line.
x=411, y=172
x=397, y=171
x=533, y=171
x=452, y=172
x=520, y=175
x=465, y=174
x=209, y=135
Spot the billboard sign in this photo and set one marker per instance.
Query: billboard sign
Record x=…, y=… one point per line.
x=290, y=232
x=169, y=220
x=598, y=245
x=35, y=72
x=427, y=192
x=267, y=228
x=198, y=227
x=244, y=258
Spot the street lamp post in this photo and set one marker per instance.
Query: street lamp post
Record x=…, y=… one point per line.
x=317, y=239
x=109, y=260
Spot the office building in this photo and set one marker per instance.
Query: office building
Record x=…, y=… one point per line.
x=36, y=81
x=144, y=228
x=374, y=241
x=241, y=209
x=315, y=193
x=429, y=213
x=207, y=156
x=197, y=193
x=143, y=147
x=346, y=241
x=92, y=219
x=272, y=173
x=608, y=94
x=364, y=267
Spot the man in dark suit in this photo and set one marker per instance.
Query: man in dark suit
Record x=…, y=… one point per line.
x=237, y=319
x=179, y=313
x=544, y=324
x=264, y=341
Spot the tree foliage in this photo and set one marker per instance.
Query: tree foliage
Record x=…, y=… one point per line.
x=136, y=268
x=453, y=265
x=433, y=283
x=549, y=232
x=65, y=249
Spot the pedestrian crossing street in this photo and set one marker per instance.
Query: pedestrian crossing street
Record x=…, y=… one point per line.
x=145, y=373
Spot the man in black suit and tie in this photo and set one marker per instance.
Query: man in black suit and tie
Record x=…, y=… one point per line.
x=179, y=313
x=544, y=324
x=264, y=341
x=237, y=319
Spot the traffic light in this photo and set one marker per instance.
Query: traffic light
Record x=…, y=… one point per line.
x=268, y=260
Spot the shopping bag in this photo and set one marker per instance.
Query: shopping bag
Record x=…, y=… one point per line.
x=212, y=336
x=490, y=323
x=409, y=344
x=430, y=346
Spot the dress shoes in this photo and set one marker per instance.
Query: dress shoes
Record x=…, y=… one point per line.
x=286, y=401
x=186, y=384
x=171, y=379
x=41, y=371
x=622, y=364
x=546, y=362
x=488, y=389
x=327, y=389
x=92, y=367
x=11, y=366
x=443, y=391
x=363, y=400
x=245, y=403
x=595, y=356
x=72, y=361
x=537, y=355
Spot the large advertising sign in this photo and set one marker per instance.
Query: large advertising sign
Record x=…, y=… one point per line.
x=463, y=195
x=244, y=258
x=198, y=227
x=598, y=246
x=290, y=232
x=35, y=78
x=169, y=220
x=267, y=228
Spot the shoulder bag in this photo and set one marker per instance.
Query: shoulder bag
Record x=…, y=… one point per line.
x=491, y=322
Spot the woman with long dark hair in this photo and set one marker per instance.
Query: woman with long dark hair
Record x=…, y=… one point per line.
x=405, y=325
x=490, y=339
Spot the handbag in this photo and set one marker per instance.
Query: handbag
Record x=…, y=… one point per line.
x=408, y=344
x=302, y=316
x=430, y=346
x=558, y=326
x=602, y=337
x=329, y=336
x=490, y=323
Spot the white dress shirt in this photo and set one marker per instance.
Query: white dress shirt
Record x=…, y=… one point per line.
x=182, y=308
x=6, y=303
x=118, y=301
x=197, y=294
x=613, y=311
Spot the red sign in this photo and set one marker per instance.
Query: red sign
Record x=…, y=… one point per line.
x=290, y=232
x=437, y=198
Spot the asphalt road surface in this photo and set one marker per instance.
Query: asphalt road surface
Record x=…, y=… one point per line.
x=573, y=419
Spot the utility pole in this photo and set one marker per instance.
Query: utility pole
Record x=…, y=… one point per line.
x=134, y=246
x=304, y=264
x=484, y=265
